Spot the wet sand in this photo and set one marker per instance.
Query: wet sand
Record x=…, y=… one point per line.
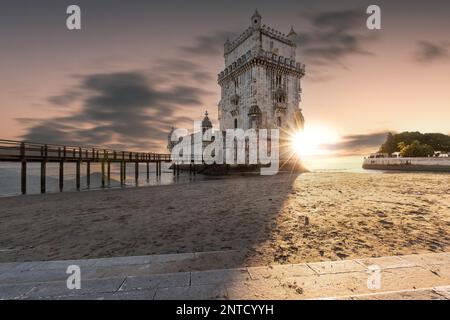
x=277, y=219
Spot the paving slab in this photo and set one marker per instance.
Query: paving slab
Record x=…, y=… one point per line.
x=219, y=276
x=263, y=289
x=410, y=279
x=32, y=276
x=14, y=291
x=326, y=285
x=181, y=279
x=443, y=291
x=336, y=266
x=428, y=258
x=280, y=271
x=59, y=289
x=201, y=292
x=120, y=295
x=386, y=262
x=121, y=261
x=441, y=270
x=425, y=294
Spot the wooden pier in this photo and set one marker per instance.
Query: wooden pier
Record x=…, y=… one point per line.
x=24, y=152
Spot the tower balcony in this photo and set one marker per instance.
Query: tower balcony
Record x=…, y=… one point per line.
x=280, y=107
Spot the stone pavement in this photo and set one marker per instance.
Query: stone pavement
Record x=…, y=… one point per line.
x=423, y=276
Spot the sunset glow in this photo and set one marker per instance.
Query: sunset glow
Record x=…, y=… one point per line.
x=314, y=140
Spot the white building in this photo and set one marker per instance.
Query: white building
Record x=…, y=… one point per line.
x=261, y=82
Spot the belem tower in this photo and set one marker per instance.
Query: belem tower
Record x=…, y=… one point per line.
x=261, y=82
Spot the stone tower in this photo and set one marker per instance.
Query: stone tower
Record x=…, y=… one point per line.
x=260, y=85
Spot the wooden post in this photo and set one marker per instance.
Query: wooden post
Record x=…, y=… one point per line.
x=88, y=174
x=103, y=173
x=108, y=172
x=78, y=166
x=43, y=168
x=136, y=172
x=23, y=173
x=121, y=173
x=61, y=175
x=124, y=172
x=174, y=167
x=148, y=171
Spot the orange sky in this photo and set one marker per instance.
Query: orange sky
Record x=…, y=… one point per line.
x=396, y=79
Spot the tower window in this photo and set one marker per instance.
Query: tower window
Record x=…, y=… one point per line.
x=278, y=80
x=235, y=123
x=279, y=121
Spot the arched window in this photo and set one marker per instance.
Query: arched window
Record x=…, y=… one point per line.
x=235, y=123
x=278, y=80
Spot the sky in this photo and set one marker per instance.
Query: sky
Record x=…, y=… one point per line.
x=138, y=67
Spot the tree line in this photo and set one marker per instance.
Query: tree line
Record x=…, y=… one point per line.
x=415, y=144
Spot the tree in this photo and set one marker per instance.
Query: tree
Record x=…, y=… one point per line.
x=416, y=149
x=390, y=146
x=438, y=141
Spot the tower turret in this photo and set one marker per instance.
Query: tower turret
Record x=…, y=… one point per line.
x=206, y=123
x=292, y=35
x=256, y=20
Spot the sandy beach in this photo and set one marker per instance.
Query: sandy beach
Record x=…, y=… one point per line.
x=278, y=219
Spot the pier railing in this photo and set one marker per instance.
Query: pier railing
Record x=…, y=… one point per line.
x=23, y=152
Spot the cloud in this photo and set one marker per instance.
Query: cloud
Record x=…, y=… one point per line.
x=427, y=52
x=177, y=69
x=208, y=45
x=121, y=109
x=358, y=144
x=329, y=38
x=334, y=36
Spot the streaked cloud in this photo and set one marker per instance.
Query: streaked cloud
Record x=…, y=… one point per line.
x=358, y=144
x=427, y=51
x=120, y=109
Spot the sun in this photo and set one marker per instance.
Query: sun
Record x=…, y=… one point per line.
x=314, y=140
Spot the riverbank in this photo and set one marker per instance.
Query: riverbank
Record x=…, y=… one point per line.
x=408, y=164
x=272, y=219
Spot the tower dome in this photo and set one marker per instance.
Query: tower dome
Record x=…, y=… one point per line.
x=206, y=123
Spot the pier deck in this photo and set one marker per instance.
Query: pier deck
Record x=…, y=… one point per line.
x=24, y=152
